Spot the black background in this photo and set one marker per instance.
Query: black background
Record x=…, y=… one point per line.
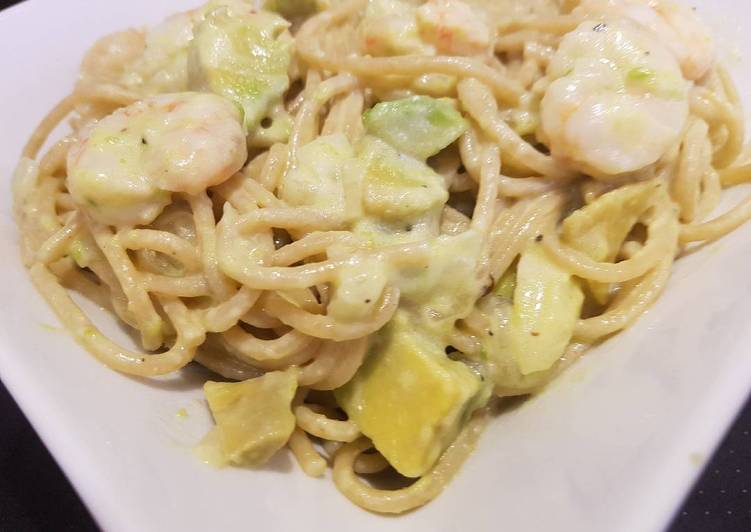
x=36, y=496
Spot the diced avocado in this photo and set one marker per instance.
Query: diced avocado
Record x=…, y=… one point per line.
x=402, y=197
x=357, y=289
x=498, y=344
x=599, y=229
x=243, y=57
x=547, y=304
x=292, y=8
x=436, y=291
x=396, y=186
x=327, y=176
x=378, y=232
x=531, y=315
x=409, y=398
x=254, y=417
x=446, y=290
x=420, y=126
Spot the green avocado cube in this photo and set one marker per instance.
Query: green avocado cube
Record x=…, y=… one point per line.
x=409, y=398
x=420, y=126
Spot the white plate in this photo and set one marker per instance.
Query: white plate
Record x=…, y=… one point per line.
x=614, y=445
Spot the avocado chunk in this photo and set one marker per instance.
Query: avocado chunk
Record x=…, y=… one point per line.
x=253, y=418
x=409, y=398
x=532, y=312
x=325, y=172
x=402, y=197
x=243, y=57
x=420, y=126
x=397, y=187
x=600, y=228
x=292, y=8
x=547, y=305
x=447, y=289
x=357, y=289
x=498, y=344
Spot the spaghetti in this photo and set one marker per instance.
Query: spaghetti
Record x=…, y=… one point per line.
x=246, y=273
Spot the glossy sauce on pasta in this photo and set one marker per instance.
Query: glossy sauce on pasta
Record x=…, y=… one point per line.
x=370, y=218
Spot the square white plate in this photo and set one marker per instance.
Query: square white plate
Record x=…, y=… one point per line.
x=614, y=445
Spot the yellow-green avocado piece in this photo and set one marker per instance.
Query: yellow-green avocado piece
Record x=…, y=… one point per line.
x=292, y=8
x=532, y=313
x=397, y=186
x=253, y=418
x=447, y=289
x=409, y=398
x=420, y=126
x=243, y=57
x=326, y=176
x=600, y=228
x=547, y=304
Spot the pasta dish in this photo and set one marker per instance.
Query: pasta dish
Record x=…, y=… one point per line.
x=371, y=219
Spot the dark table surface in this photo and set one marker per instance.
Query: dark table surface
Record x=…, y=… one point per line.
x=36, y=496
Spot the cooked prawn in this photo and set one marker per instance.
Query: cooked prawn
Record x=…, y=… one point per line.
x=618, y=100
x=453, y=27
x=676, y=25
x=123, y=169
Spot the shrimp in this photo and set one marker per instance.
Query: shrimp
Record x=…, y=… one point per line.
x=389, y=27
x=123, y=169
x=111, y=56
x=453, y=27
x=676, y=25
x=617, y=102
x=153, y=61
x=163, y=66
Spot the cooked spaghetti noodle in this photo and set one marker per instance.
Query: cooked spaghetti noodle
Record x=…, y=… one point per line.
x=289, y=254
